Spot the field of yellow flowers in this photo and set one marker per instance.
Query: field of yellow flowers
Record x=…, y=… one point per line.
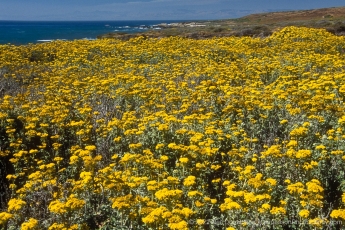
x=173, y=133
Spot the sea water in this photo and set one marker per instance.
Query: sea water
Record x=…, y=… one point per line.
x=25, y=32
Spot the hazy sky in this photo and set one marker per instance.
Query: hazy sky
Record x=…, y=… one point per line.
x=148, y=9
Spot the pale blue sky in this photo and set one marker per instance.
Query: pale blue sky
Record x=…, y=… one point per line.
x=148, y=9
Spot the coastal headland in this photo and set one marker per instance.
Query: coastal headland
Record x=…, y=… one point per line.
x=254, y=25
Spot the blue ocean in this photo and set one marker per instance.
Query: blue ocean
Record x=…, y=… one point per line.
x=25, y=32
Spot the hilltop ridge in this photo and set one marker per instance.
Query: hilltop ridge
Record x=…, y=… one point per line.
x=334, y=13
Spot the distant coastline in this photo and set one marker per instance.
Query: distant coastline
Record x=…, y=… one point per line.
x=253, y=25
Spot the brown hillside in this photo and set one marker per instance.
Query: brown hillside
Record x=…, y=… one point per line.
x=334, y=13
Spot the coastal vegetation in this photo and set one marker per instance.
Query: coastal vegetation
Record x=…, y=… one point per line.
x=174, y=133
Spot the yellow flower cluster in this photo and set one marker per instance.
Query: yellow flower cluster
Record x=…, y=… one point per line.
x=30, y=225
x=174, y=133
x=15, y=204
x=4, y=217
